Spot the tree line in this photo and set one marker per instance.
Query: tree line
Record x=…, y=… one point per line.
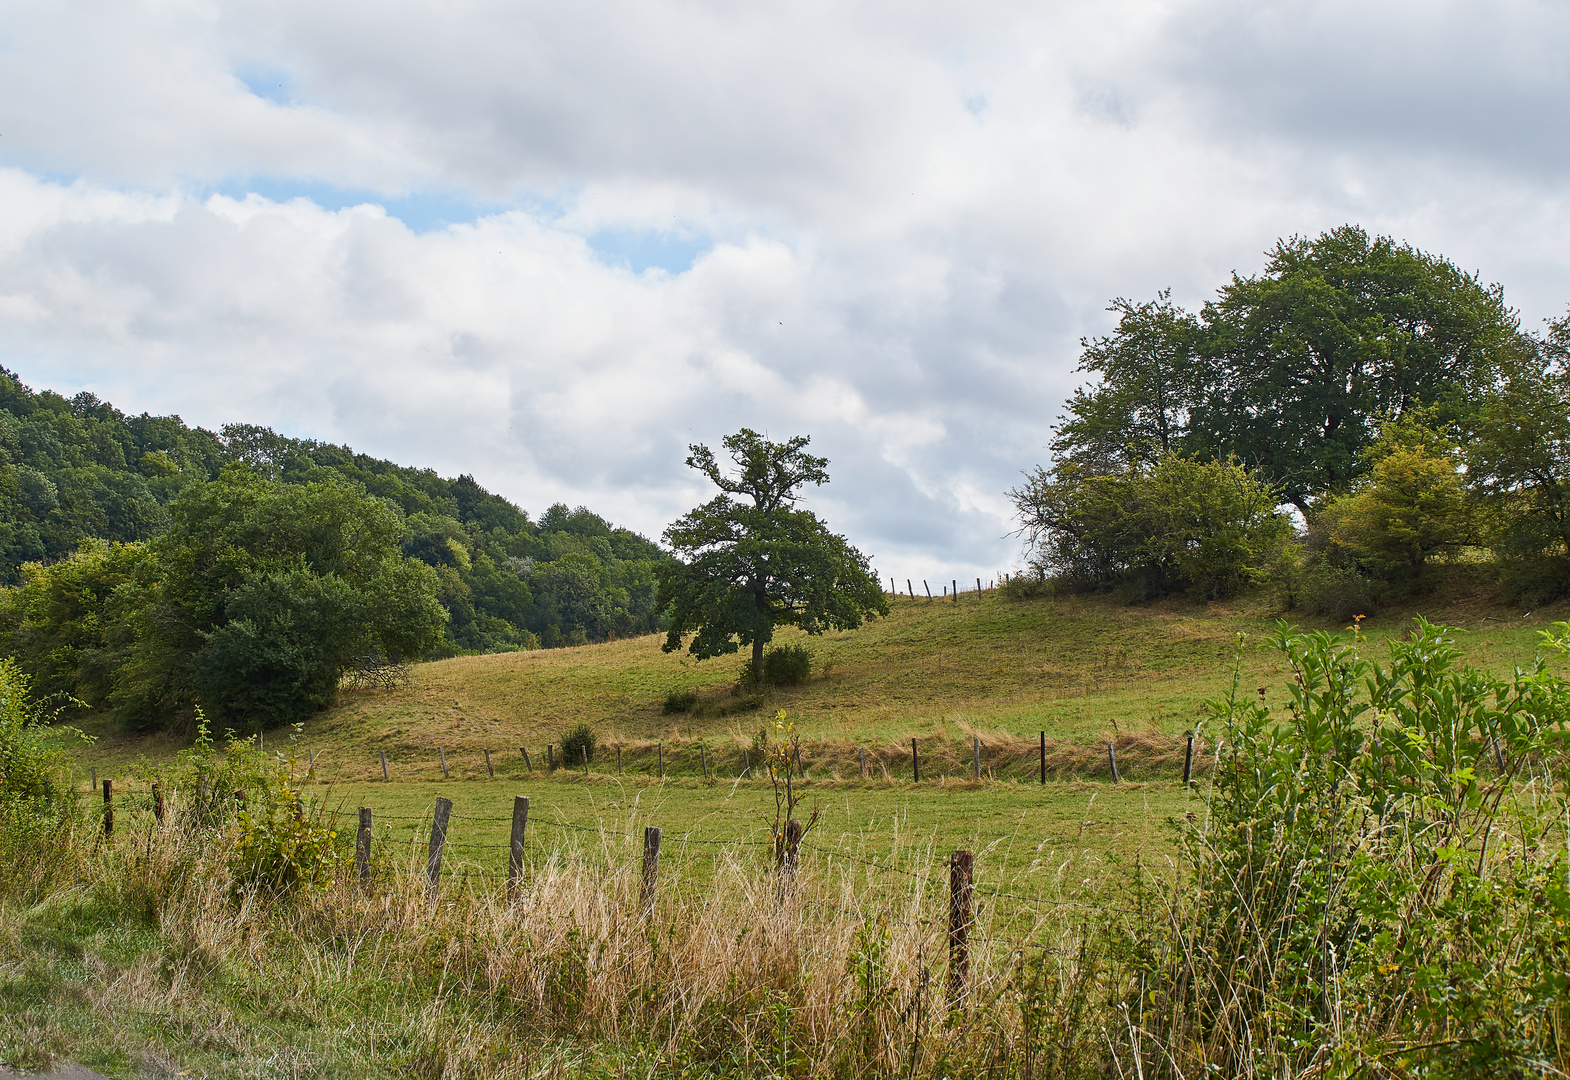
x=1340, y=423
x=155, y=566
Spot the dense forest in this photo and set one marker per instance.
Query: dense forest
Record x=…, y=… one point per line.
x=157, y=565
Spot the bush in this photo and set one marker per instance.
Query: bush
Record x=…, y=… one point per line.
x=1338, y=592
x=37, y=802
x=1369, y=851
x=577, y=746
x=784, y=665
x=1179, y=524
x=679, y=701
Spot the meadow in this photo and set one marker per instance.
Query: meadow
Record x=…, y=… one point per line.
x=158, y=952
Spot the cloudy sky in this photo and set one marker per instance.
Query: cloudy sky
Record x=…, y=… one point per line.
x=552, y=244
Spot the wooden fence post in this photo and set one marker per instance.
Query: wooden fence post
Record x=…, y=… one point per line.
x=893, y=588
x=527, y=764
x=975, y=758
x=520, y=821
x=1043, y=759
x=915, y=763
x=108, y=807
x=158, y=804
x=618, y=759
x=433, y=857
x=362, y=847
x=960, y=865
x=909, y=589
x=310, y=768
x=1188, y=760
x=651, y=869
x=383, y=753
x=978, y=588
x=955, y=583
x=924, y=585
x=443, y=754
x=94, y=786
x=1112, y=759
x=660, y=749
x=862, y=753
x=488, y=770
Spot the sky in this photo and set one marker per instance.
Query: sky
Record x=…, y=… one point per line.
x=551, y=245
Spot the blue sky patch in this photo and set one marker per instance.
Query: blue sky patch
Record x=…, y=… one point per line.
x=423, y=211
x=640, y=249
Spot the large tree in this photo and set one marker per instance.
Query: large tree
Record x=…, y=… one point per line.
x=1292, y=371
x=750, y=560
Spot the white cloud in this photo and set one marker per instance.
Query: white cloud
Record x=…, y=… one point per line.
x=906, y=217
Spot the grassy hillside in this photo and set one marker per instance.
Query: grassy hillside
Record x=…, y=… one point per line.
x=1085, y=670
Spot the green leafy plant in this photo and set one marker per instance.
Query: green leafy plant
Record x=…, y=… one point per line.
x=679, y=701
x=783, y=665
x=577, y=746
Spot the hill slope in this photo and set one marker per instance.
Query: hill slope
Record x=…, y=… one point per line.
x=1085, y=670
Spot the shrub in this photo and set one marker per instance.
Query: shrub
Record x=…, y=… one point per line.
x=1370, y=852
x=679, y=701
x=577, y=746
x=1338, y=592
x=783, y=665
x=37, y=802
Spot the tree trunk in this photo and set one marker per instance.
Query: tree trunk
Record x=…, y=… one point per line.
x=757, y=661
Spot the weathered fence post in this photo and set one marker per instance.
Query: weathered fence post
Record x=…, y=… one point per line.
x=527, y=764
x=383, y=753
x=94, y=786
x=651, y=869
x=108, y=807
x=433, y=858
x=978, y=588
x=660, y=749
x=955, y=583
x=975, y=758
x=550, y=757
x=1188, y=760
x=960, y=865
x=861, y=752
x=1043, y=759
x=158, y=804
x=520, y=821
x=915, y=763
x=909, y=590
x=924, y=585
x=362, y=847
x=488, y=770
x=1112, y=759
x=443, y=754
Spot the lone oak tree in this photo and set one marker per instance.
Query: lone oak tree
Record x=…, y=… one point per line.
x=749, y=560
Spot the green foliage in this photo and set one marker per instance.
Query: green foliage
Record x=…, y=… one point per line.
x=578, y=745
x=1371, y=869
x=679, y=701
x=35, y=771
x=783, y=665
x=1290, y=371
x=1210, y=528
x=77, y=470
x=752, y=563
